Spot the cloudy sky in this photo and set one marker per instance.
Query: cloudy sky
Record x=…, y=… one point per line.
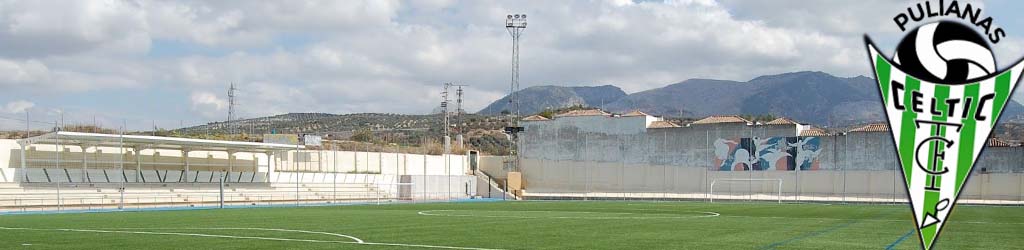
x=170, y=62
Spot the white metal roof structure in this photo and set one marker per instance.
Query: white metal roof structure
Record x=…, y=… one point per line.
x=153, y=142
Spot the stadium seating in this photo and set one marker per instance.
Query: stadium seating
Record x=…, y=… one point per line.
x=157, y=188
x=172, y=176
x=150, y=176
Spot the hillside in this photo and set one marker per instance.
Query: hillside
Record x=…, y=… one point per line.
x=538, y=98
x=481, y=132
x=810, y=97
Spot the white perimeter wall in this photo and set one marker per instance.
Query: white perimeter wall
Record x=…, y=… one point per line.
x=561, y=177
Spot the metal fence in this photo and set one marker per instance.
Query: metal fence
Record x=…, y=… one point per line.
x=57, y=196
x=683, y=163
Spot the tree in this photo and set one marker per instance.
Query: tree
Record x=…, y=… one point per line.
x=363, y=135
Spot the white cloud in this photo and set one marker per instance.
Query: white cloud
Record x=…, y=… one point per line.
x=393, y=56
x=18, y=106
x=15, y=73
x=208, y=104
x=34, y=28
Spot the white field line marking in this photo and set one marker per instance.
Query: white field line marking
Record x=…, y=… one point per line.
x=685, y=203
x=431, y=213
x=880, y=220
x=358, y=241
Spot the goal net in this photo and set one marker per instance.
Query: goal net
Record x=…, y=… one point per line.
x=749, y=189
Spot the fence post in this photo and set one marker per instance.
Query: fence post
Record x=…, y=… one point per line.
x=58, y=196
x=222, y=188
x=122, y=176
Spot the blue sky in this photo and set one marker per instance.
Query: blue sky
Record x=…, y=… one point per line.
x=170, y=62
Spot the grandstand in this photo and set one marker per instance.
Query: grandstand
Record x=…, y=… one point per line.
x=84, y=171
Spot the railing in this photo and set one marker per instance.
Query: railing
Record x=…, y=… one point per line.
x=493, y=184
x=64, y=197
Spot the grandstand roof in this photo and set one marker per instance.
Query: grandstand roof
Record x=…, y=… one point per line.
x=153, y=142
x=721, y=119
x=535, y=118
x=584, y=112
x=874, y=127
x=663, y=124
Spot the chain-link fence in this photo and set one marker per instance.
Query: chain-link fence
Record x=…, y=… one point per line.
x=60, y=196
x=739, y=162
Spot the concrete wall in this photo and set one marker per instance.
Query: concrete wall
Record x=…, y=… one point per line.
x=588, y=155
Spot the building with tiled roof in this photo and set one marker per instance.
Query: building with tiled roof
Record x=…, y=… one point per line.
x=874, y=127
x=635, y=113
x=721, y=119
x=663, y=124
x=584, y=112
x=536, y=118
x=782, y=121
x=812, y=131
x=995, y=142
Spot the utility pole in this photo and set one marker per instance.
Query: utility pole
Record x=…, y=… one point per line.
x=231, y=109
x=458, y=111
x=446, y=116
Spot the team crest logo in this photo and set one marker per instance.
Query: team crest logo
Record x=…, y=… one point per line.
x=943, y=96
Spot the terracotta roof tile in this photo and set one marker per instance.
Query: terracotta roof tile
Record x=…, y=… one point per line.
x=663, y=124
x=535, y=118
x=874, y=127
x=635, y=113
x=721, y=119
x=812, y=131
x=584, y=112
x=782, y=121
x=993, y=142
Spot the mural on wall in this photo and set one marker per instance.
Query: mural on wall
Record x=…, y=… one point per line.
x=774, y=153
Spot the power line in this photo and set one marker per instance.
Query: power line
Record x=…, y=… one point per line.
x=232, y=126
x=23, y=120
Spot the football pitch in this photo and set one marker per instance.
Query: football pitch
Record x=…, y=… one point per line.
x=515, y=225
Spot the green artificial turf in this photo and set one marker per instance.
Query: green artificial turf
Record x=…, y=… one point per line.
x=517, y=225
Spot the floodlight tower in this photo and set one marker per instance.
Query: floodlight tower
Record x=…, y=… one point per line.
x=515, y=24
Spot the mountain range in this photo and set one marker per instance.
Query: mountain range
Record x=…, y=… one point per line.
x=537, y=98
x=809, y=97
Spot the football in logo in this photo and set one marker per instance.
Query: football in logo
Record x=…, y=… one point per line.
x=945, y=52
x=942, y=95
